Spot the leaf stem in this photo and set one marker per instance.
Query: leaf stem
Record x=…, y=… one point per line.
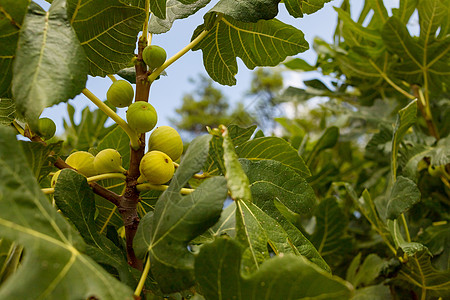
x=196, y=176
x=424, y=107
x=18, y=127
x=144, y=275
x=159, y=187
x=112, y=77
x=106, y=176
x=145, y=26
x=388, y=80
x=180, y=53
x=134, y=138
x=405, y=226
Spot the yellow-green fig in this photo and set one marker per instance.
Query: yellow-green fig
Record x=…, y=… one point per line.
x=108, y=161
x=166, y=139
x=156, y=167
x=120, y=93
x=54, y=178
x=436, y=171
x=141, y=116
x=46, y=128
x=154, y=56
x=83, y=162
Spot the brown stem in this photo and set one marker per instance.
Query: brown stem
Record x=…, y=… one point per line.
x=425, y=111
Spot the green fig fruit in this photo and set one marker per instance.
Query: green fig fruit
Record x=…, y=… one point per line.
x=46, y=128
x=156, y=167
x=120, y=93
x=141, y=116
x=108, y=161
x=166, y=139
x=154, y=56
x=83, y=162
x=54, y=178
x=436, y=171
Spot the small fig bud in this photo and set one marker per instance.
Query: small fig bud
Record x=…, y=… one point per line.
x=141, y=116
x=156, y=167
x=55, y=178
x=83, y=162
x=436, y=171
x=154, y=56
x=120, y=93
x=108, y=161
x=46, y=128
x=166, y=139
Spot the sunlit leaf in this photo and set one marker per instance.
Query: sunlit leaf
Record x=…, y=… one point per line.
x=299, y=7
x=264, y=43
x=247, y=11
x=42, y=67
x=107, y=30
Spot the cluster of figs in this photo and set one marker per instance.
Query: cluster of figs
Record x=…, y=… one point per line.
x=164, y=146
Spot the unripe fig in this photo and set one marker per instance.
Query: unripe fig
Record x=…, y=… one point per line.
x=83, y=162
x=154, y=56
x=46, y=128
x=436, y=171
x=108, y=161
x=156, y=167
x=141, y=116
x=166, y=139
x=55, y=178
x=120, y=93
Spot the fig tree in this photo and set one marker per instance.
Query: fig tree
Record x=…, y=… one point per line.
x=141, y=116
x=167, y=140
x=46, y=128
x=154, y=56
x=108, y=161
x=83, y=162
x=120, y=93
x=156, y=167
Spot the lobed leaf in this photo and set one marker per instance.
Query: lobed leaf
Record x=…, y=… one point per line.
x=247, y=11
x=264, y=43
x=107, y=31
x=40, y=158
x=12, y=13
x=274, y=148
x=297, y=8
x=7, y=111
x=54, y=250
x=44, y=73
x=217, y=269
x=404, y=194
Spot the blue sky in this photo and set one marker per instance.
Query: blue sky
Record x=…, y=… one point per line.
x=166, y=94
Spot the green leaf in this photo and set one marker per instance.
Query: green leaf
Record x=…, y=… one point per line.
x=409, y=248
x=217, y=269
x=158, y=8
x=53, y=249
x=237, y=181
x=41, y=65
x=419, y=272
x=424, y=62
x=365, y=274
x=247, y=11
x=330, y=237
x=328, y=139
x=75, y=199
x=373, y=292
x=107, y=30
x=297, y=8
x=432, y=13
x=405, y=119
x=403, y=196
x=257, y=231
x=7, y=111
x=178, y=219
x=264, y=43
x=12, y=13
x=280, y=193
x=40, y=158
x=440, y=154
x=405, y=11
x=274, y=148
x=225, y=225
x=128, y=74
x=299, y=64
x=175, y=10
